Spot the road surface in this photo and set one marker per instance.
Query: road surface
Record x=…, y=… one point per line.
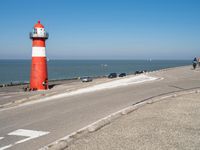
x=35, y=125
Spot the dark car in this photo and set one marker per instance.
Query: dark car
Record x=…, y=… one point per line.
x=140, y=72
x=122, y=74
x=86, y=79
x=112, y=75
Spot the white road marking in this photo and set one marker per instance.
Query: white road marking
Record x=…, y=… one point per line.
x=129, y=80
x=28, y=133
x=5, y=147
x=108, y=85
x=31, y=134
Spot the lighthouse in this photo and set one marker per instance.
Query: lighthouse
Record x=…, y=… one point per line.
x=39, y=73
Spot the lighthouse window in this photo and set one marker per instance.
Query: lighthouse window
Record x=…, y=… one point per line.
x=35, y=31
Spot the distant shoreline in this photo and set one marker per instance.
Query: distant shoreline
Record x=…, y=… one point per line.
x=108, y=59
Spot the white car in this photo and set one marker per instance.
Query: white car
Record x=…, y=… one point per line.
x=86, y=79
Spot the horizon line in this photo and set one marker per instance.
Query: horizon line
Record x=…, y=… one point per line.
x=97, y=59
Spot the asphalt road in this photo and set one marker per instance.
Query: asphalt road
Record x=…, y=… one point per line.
x=33, y=126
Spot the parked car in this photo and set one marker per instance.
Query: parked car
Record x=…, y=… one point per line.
x=112, y=75
x=122, y=74
x=86, y=79
x=140, y=72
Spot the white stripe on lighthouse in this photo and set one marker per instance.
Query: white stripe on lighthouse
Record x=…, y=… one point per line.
x=38, y=52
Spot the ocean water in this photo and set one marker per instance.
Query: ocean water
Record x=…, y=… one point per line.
x=19, y=70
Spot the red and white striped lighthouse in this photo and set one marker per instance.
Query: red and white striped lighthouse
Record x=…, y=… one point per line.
x=39, y=74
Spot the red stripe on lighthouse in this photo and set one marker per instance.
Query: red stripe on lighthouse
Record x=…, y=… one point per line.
x=39, y=73
x=38, y=42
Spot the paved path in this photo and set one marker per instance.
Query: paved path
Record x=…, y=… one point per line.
x=172, y=123
x=33, y=126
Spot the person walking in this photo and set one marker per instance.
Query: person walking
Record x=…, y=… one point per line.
x=194, y=63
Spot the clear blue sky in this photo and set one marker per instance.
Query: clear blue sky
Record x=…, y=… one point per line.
x=103, y=29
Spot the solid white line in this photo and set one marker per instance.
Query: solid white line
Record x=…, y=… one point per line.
x=6, y=147
x=1, y=138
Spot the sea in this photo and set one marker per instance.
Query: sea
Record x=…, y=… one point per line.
x=18, y=71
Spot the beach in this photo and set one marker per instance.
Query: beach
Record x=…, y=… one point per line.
x=71, y=106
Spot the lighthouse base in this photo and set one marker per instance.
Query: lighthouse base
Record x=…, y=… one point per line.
x=39, y=78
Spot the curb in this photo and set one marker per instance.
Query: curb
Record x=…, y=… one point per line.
x=64, y=142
